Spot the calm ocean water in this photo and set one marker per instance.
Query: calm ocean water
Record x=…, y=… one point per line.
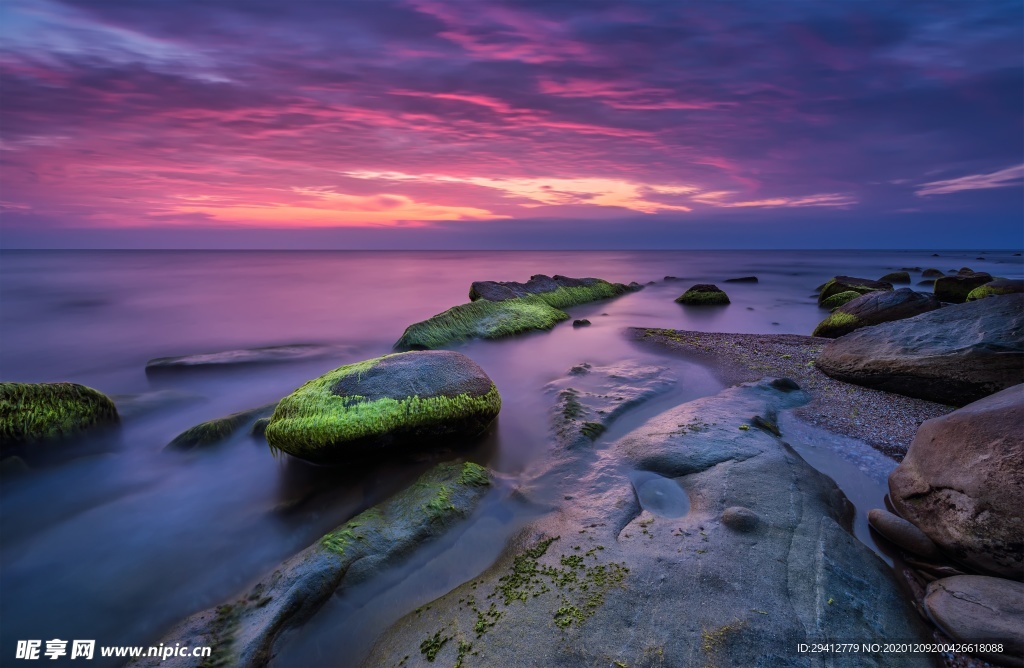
x=115, y=539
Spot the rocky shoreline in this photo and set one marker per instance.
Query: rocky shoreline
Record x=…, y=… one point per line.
x=886, y=421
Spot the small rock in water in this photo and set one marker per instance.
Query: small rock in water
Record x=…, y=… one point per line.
x=900, y=532
x=742, y=279
x=659, y=495
x=583, y=322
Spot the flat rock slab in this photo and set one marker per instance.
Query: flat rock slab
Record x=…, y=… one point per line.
x=954, y=355
x=962, y=483
x=244, y=356
x=979, y=609
x=762, y=561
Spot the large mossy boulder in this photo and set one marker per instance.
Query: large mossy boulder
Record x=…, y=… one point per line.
x=955, y=289
x=41, y=411
x=999, y=286
x=861, y=286
x=698, y=539
x=243, y=632
x=396, y=403
x=875, y=308
x=953, y=355
x=703, y=294
x=962, y=483
x=499, y=309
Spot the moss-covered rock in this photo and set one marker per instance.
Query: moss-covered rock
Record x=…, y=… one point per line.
x=875, y=308
x=999, y=286
x=955, y=289
x=384, y=405
x=500, y=309
x=838, y=299
x=243, y=632
x=861, y=286
x=703, y=294
x=896, y=277
x=41, y=411
x=215, y=431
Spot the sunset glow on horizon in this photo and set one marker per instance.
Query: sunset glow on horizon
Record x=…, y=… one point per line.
x=412, y=113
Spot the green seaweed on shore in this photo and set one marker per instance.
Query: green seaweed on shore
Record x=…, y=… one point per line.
x=840, y=298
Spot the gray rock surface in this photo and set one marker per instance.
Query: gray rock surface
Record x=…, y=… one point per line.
x=954, y=355
x=243, y=632
x=604, y=579
x=975, y=608
x=962, y=483
x=874, y=308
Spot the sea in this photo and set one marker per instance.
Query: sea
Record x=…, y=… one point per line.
x=116, y=538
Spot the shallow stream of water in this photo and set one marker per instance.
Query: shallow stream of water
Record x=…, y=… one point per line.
x=114, y=538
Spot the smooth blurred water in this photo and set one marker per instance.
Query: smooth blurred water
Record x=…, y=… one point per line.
x=113, y=538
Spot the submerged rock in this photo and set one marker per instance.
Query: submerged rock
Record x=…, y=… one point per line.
x=896, y=277
x=875, y=308
x=962, y=483
x=954, y=355
x=31, y=412
x=932, y=273
x=999, y=286
x=243, y=632
x=861, y=286
x=742, y=279
x=761, y=561
x=703, y=294
x=581, y=323
x=979, y=609
x=501, y=309
x=267, y=355
x=392, y=404
x=955, y=289
x=215, y=431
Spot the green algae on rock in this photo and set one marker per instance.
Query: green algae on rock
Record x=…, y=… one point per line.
x=956, y=289
x=243, y=631
x=500, y=309
x=703, y=294
x=840, y=298
x=875, y=308
x=1000, y=286
x=41, y=411
x=387, y=404
x=217, y=430
x=840, y=284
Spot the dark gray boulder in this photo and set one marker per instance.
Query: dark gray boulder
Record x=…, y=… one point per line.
x=850, y=284
x=621, y=572
x=998, y=286
x=742, y=279
x=954, y=355
x=896, y=277
x=962, y=483
x=875, y=308
x=955, y=289
x=214, y=431
x=932, y=273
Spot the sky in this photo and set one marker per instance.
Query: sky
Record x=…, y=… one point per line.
x=511, y=124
